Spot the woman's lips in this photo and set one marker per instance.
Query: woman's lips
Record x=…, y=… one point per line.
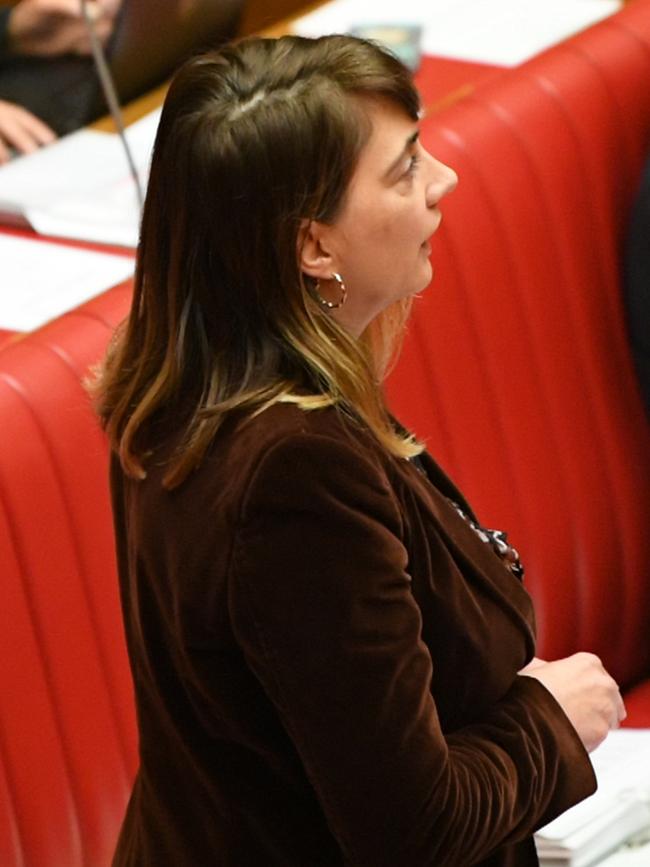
x=426, y=245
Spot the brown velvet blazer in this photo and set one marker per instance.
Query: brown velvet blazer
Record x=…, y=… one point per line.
x=325, y=661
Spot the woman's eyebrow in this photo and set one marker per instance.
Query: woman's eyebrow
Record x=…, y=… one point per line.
x=410, y=141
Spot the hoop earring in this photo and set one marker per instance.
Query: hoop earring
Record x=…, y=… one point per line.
x=331, y=305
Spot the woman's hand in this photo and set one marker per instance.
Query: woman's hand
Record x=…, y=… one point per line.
x=51, y=27
x=585, y=692
x=21, y=131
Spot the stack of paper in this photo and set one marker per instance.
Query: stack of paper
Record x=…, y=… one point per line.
x=41, y=280
x=80, y=186
x=629, y=856
x=618, y=812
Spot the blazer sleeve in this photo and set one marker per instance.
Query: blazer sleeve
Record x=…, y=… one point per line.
x=321, y=604
x=4, y=32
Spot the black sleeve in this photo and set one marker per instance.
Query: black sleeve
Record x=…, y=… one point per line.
x=4, y=32
x=322, y=606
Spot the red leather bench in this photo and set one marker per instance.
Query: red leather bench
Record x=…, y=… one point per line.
x=67, y=728
x=516, y=370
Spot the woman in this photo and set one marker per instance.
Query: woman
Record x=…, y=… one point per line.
x=325, y=651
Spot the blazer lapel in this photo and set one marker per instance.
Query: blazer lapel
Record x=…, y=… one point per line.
x=432, y=492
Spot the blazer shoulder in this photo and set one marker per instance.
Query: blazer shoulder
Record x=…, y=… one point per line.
x=286, y=426
x=312, y=449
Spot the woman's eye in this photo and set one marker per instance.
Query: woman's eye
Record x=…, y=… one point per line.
x=412, y=165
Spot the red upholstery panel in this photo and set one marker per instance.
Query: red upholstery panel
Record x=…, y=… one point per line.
x=5, y=336
x=67, y=734
x=516, y=368
x=442, y=80
x=637, y=704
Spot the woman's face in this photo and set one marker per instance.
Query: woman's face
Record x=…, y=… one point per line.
x=379, y=243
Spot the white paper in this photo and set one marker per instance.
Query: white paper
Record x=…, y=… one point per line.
x=620, y=763
x=80, y=186
x=629, y=856
x=498, y=32
x=616, y=811
x=40, y=280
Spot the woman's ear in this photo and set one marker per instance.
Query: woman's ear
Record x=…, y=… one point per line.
x=313, y=254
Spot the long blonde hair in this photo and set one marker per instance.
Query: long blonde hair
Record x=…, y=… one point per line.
x=252, y=140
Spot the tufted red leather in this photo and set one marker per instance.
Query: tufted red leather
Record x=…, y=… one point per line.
x=516, y=369
x=67, y=733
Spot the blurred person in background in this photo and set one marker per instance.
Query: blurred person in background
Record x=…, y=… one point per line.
x=44, y=28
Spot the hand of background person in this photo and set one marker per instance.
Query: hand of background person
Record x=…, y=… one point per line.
x=51, y=27
x=585, y=692
x=21, y=131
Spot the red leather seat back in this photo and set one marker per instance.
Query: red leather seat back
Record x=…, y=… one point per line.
x=516, y=368
x=67, y=730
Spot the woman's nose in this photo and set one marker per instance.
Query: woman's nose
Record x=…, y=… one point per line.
x=444, y=180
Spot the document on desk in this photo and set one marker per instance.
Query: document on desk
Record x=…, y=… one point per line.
x=499, y=33
x=618, y=812
x=629, y=856
x=80, y=186
x=40, y=280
